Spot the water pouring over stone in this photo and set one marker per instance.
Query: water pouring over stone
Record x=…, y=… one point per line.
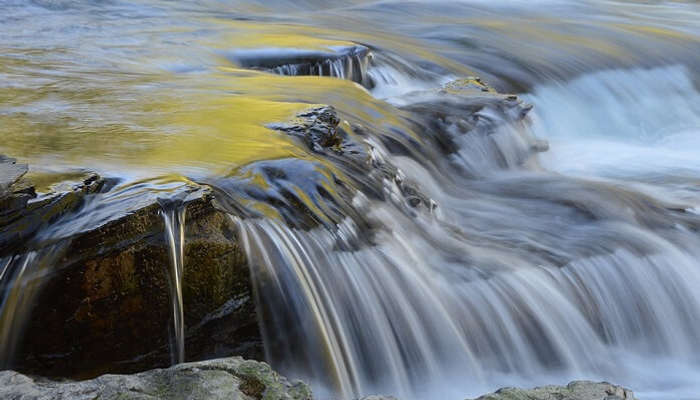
x=427, y=200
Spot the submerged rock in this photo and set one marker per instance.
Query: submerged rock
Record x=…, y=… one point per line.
x=578, y=390
x=224, y=379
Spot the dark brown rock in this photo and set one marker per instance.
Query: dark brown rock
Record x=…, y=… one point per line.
x=99, y=267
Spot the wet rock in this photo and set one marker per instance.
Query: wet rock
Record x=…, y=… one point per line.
x=579, y=390
x=303, y=193
x=100, y=257
x=23, y=212
x=225, y=379
x=317, y=127
x=345, y=62
x=97, y=260
x=10, y=172
x=323, y=132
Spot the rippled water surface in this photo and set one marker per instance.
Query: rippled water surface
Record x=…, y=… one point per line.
x=578, y=262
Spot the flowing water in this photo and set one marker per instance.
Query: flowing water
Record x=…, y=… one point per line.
x=517, y=267
x=174, y=218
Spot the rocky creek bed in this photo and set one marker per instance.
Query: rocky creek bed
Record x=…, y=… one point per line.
x=98, y=302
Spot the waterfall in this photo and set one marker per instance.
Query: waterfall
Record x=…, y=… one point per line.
x=394, y=317
x=174, y=219
x=21, y=279
x=423, y=235
x=14, y=302
x=520, y=276
x=351, y=67
x=622, y=123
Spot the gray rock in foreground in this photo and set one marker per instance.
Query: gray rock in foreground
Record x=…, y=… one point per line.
x=578, y=390
x=226, y=378
x=238, y=379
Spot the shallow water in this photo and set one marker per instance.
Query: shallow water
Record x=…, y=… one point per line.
x=534, y=268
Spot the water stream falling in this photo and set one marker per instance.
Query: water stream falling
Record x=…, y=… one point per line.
x=458, y=243
x=13, y=299
x=520, y=277
x=20, y=283
x=174, y=219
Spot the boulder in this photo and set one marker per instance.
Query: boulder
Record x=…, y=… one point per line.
x=578, y=390
x=86, y=269
x=237, y=378
x=224, y=379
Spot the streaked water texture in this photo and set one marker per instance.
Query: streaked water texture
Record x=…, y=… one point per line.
x=514, y=266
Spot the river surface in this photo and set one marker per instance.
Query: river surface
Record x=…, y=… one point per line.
x=581, y=262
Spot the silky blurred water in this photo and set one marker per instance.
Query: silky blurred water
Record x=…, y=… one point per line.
x=533, y=269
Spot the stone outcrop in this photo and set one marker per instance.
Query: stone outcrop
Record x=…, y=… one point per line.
x=578, y=390
x=236, y=378
x=221, y=379
x=97, y=263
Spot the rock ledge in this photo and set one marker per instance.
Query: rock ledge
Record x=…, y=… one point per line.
x=577, y=390
x=226, y=378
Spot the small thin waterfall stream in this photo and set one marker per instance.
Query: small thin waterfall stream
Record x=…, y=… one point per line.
x=14, y=300
x=420, y=239
x=20, y=283
x=174, y=219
